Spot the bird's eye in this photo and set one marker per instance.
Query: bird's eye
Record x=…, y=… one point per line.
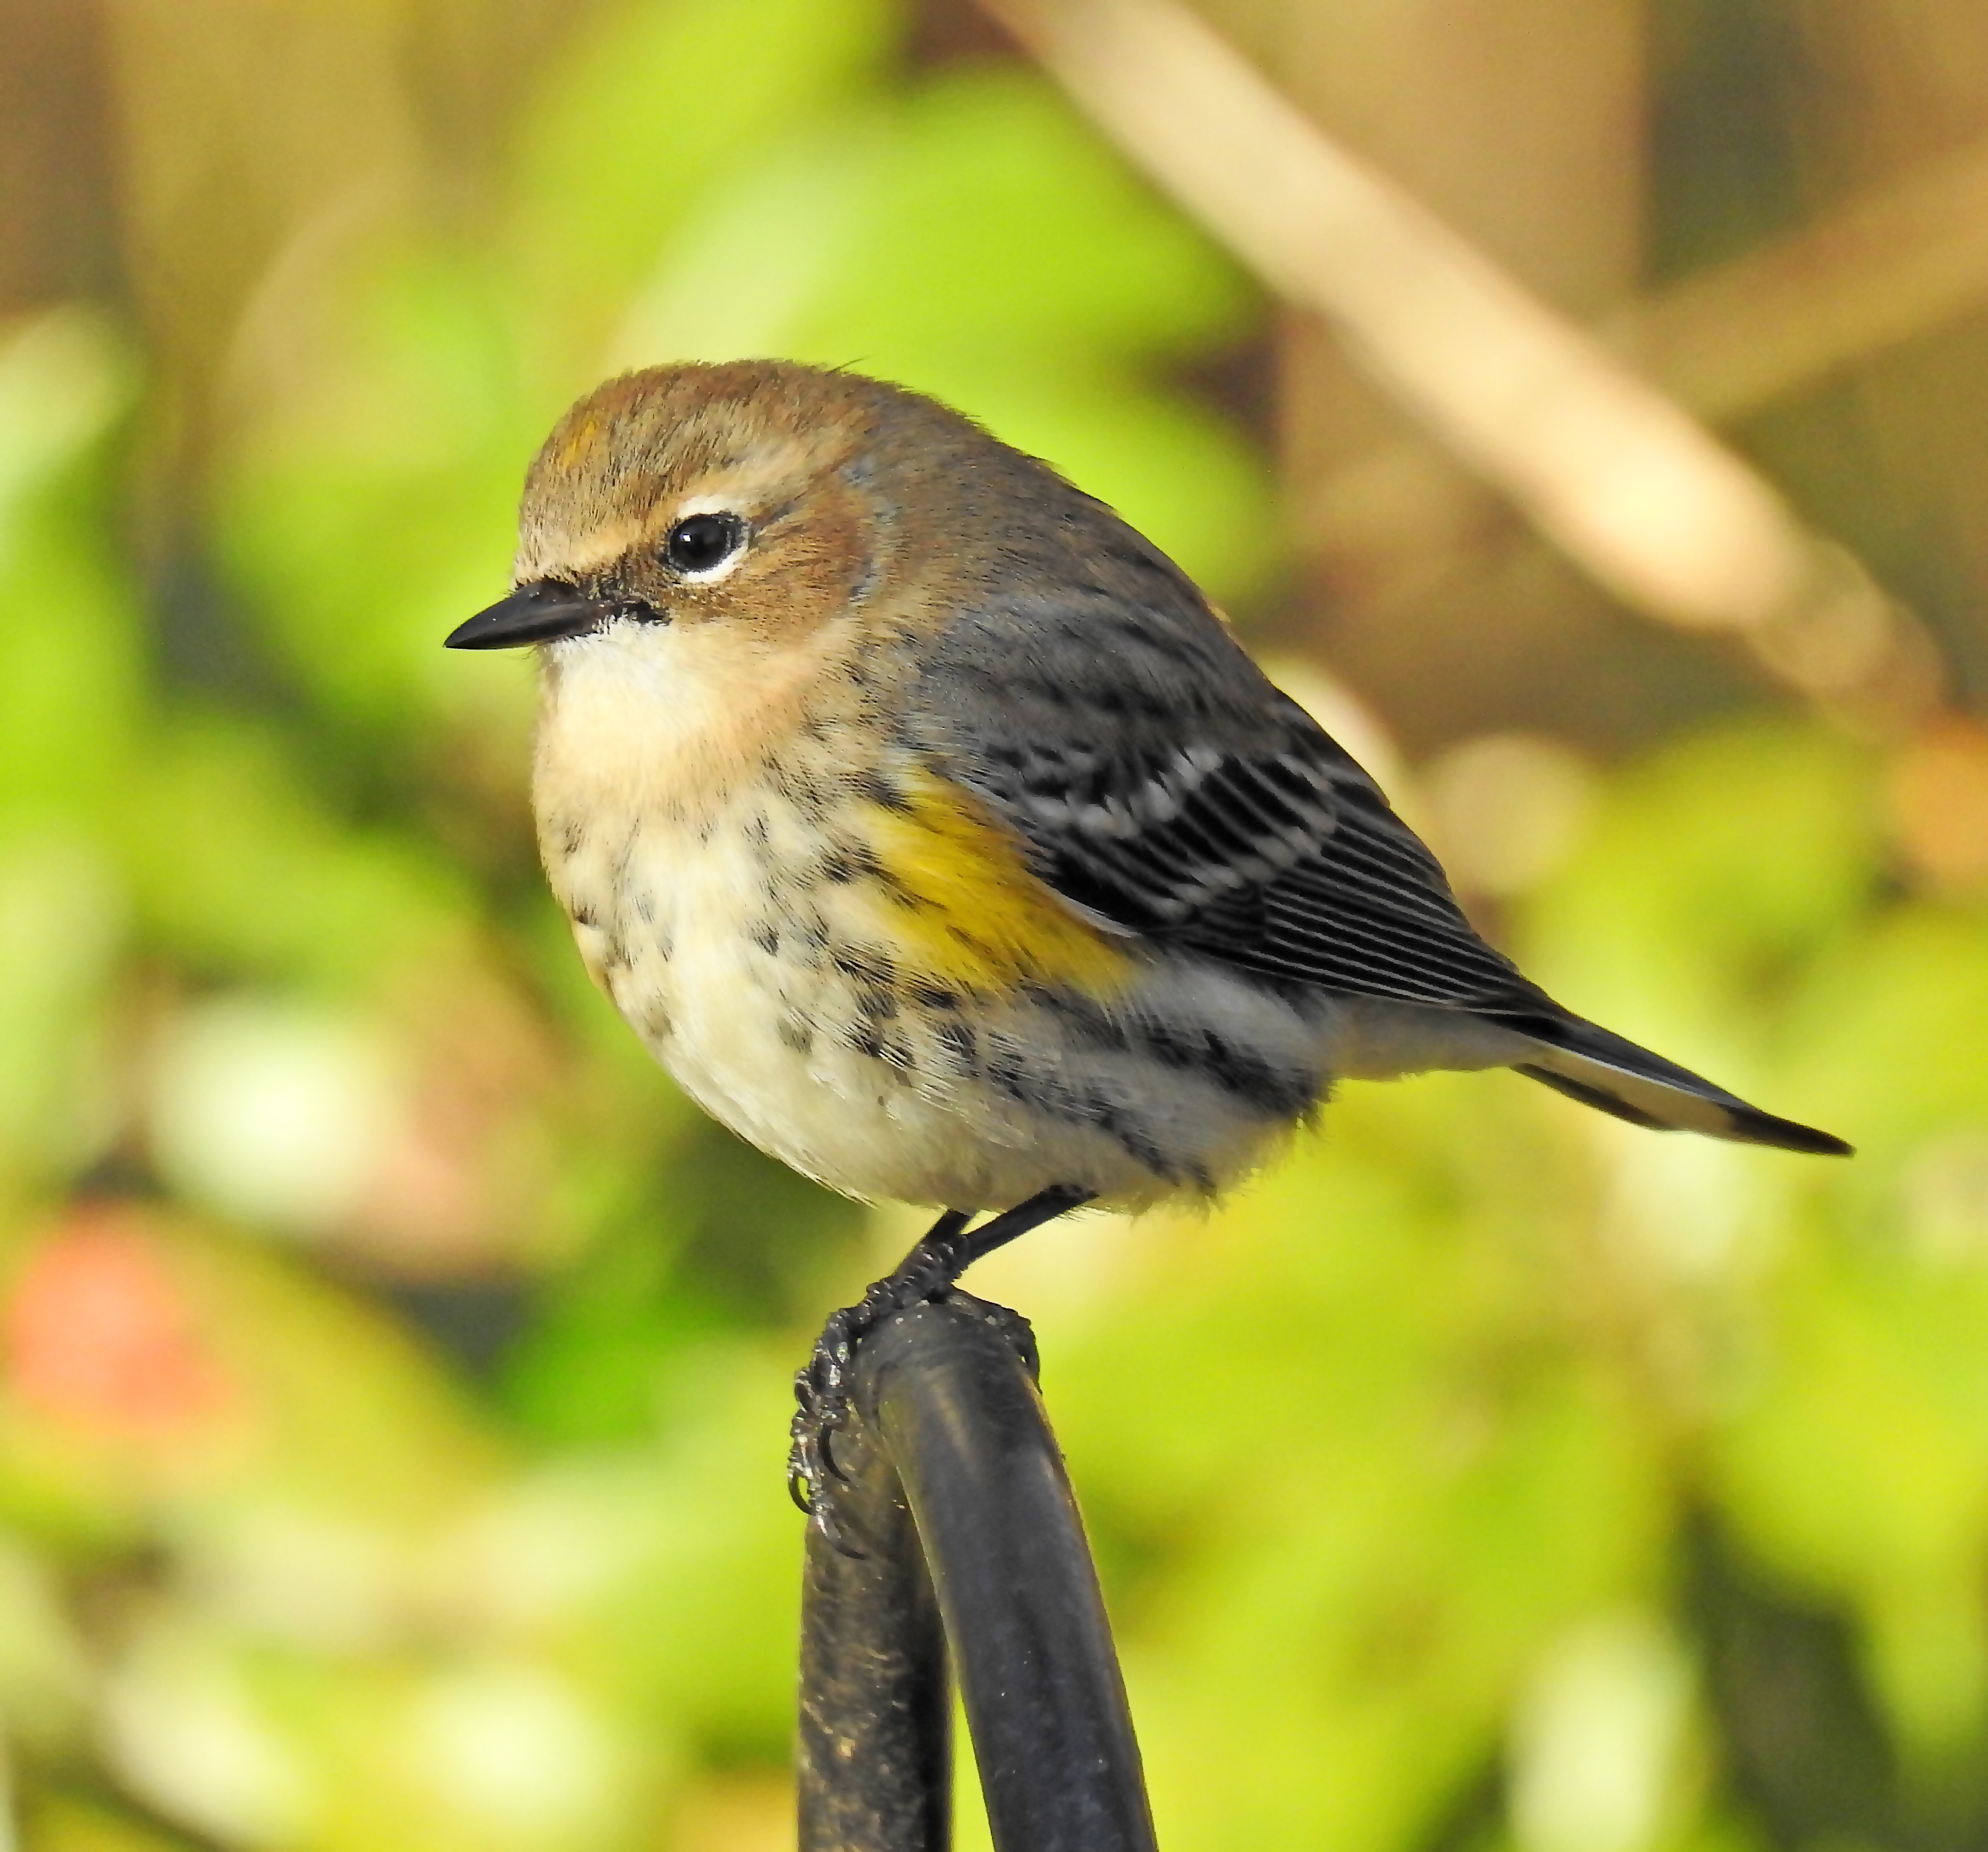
x=698, y=543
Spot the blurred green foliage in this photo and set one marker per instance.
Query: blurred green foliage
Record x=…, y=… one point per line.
x=393, y=1369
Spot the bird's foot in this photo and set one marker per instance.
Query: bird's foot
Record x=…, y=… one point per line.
x=821, y=1389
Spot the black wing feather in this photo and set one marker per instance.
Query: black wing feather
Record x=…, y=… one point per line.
x=1163, y=785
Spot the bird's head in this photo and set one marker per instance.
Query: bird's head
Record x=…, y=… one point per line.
x=756, y=497
x=708, y=555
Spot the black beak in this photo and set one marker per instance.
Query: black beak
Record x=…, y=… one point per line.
x=533, y=613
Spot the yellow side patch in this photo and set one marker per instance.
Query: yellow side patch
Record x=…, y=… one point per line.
x=968, y=913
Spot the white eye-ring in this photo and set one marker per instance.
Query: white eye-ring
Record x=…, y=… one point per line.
x=705, y=544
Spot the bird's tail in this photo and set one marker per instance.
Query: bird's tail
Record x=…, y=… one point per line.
x=1607, y=1071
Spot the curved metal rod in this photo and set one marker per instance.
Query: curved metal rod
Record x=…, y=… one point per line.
x=951, y=1438
x=876, y=1712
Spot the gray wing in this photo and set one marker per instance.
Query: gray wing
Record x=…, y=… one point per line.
x=1165, y=787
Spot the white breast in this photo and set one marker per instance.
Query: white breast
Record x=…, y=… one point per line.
x=676, y=861
x=698, y=904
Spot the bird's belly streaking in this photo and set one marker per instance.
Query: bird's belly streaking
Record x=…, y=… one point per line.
x=844, y=960
x=945, y=1070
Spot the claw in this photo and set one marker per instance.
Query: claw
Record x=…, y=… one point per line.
x=837, y=1538
x=826, y=1447
x=822, y=1407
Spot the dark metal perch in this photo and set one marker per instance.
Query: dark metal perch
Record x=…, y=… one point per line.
x=959, y=1499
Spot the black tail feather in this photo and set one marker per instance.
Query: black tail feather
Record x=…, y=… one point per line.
x=1613, y=1075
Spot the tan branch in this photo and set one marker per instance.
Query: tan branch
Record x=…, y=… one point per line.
x=1894, y=264
x=1617, y=474
x=1890, y=265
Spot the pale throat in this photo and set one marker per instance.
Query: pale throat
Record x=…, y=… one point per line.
x=663, y=723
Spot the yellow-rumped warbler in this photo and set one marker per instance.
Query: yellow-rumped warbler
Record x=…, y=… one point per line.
x=930, y=826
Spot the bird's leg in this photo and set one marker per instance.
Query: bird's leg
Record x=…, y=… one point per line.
x=948, y=1249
